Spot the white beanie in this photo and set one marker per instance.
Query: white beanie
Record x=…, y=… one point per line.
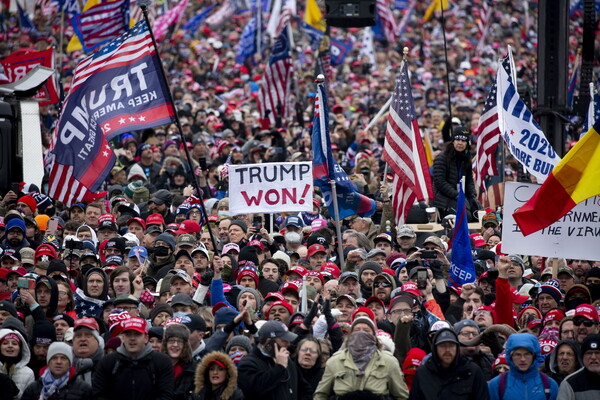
x=60, y=348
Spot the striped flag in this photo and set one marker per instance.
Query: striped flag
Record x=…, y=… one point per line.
x=168, y=19
x=225, y=12
x=287, y=12
x=483, y=23
x=101, y=23
x=115, y=90
x=403, y=150
x=273, y=96
x=137, y=14
x=390, y=28
x=196, y=22
x=488, y=132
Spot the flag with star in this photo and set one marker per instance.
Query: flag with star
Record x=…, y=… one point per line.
x=87, y=306
x=326, y=170
x=116, y=90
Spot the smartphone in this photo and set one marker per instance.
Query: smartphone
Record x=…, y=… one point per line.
x=203, y=165
x=15, y=187
x=257, y=223
x=24, y=283
x=251, y=312
x=422, y=278
x=270, y=348
x=429, y=254
x=52, y=227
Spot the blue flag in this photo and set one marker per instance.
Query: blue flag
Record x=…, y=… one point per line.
x=339, y=50
x=247, y=44
x=462, y=268
x=195, y=23
x=325, y=168
x=24, y=20
x=313, y=34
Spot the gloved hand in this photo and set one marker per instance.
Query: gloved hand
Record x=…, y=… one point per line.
x=207, y=278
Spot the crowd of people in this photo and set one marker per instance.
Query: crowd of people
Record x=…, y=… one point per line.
x=157, y=291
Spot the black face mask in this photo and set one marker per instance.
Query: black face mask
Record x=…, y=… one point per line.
x=161, y=251
x=573, y=303
x=594, y=291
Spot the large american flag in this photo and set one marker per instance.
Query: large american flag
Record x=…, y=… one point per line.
x=404, y=151
x=275, y=86
x=101, y=23
x=287, y=12
x=94, y=112
x=390, y=28
x=488, y=135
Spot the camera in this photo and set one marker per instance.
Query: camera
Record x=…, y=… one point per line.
x=74, y=245
x=422, y=278
x=429, y=254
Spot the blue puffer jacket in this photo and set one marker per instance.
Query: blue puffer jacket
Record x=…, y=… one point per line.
x=526, y=385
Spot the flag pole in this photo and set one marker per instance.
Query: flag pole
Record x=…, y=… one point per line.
x=446, y=63
x=336, y=212
x=143, y=4
x=382, y=111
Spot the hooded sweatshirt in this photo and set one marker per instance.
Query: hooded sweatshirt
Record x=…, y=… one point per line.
x=523, y=384
x=17, y=368
x=91, y=306
x=553, y=360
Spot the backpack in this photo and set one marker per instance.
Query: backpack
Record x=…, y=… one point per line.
x=545, y=382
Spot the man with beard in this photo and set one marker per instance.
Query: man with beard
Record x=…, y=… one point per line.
x=580, y=269
x=383, y=285
x=348, y=284
x=448, y=372
x=584, y=384
x=15, y=235
x=367, y=273
x=467, y=329
x=160, y=203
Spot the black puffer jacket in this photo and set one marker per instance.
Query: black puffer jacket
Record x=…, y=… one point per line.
x=149, y=376
x=461, y=380
x=260, y=378
x=76, y=389
x=184, y=384
x=445, y=179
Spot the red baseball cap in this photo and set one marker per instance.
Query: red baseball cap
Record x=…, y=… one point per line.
x=374, y=299
x=282, y=303
x=519, y=298
x=273, y=296
x=411, y=287
x=134, y=324
x=554, y=315
x=21, y=271
x=87, y=322
x=257, y=243
x=188, y=226
x=316, y=248
x=138, y=220
x=155, y=219
x=300, y=270
x=478, y=240
x=317, y=274
x=291, y=286
x=107, y=217
x=45, y=249
x=332, y=269
x=586, y=311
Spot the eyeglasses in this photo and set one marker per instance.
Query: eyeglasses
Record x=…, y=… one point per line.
x=522, y=355
x=468, y=334
x=407, y=311
x=309, y=349
x=175, y=341
x=62, y=293
x=382, y=284
x=585, y=322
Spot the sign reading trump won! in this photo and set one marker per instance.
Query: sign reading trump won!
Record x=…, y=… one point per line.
x=270, y=188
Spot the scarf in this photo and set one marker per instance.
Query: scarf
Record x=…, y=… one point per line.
x=50, y=384
x=361, y=346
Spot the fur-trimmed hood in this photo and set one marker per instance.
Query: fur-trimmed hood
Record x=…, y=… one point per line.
x=202, y=371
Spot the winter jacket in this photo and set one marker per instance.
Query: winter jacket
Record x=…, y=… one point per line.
x=20, y=373
x=76, y=389
x=260, y=378
x=184, y=384
x=382, y=377
x=552, y=361
x=445, y=180
x=461, y=380
x=309, y=379
x=523, y=385
x=148, y=376
x=229, y=391
x=580, y=385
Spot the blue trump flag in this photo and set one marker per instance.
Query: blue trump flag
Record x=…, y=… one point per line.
x=196, y=22
x=325, y=168
x=247, y=44
x=462, y=268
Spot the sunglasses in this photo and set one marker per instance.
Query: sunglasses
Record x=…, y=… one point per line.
x=382, y=284
x=585, y=322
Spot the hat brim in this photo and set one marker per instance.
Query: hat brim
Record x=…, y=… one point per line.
x=288, y=336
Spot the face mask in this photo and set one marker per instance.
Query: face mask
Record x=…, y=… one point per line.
x=594, y=291
x=292, y=237
x=223, y=213
x=161, y=251
x=179, y=314
x=572, y=304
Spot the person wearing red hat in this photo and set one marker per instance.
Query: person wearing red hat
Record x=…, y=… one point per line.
x=27, y=206
x=134, y=371
x=316, y=280
x=508, y=300
x=585, y=321
x=317, y=255
x=280, y=310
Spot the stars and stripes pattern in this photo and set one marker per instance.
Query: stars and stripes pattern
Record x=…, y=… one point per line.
x=87, y=306
x=287, y=12
x=483, y=22
x=404, y=151
x=390, y=28
x=275, y=86
x=101, y=23
x=488, y=132
x=168, y=19
x=137, y=14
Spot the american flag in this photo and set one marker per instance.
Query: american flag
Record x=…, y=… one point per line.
x=94, y=112
x=170, y=18
x=288, y=10
x=137, y=14
x=87, y=306
x=404, y=152
x=225, y=12
x=275, y=86
x=483, y=23
x=101, y=23
x=488, y=135
x=390, y=28
x=48, y=7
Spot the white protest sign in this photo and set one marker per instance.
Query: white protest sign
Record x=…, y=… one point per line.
x=270, y=188
x=521, y=133
x=576, y=235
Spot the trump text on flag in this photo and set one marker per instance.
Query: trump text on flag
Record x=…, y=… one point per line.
x=575, y=235
x=270, y=188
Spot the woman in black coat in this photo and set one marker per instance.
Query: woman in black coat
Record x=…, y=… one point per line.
x=449, y=168
x=176, y=345
x=308, y=362
x=216, y=378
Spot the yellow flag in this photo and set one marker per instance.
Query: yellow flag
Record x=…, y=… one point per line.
x=313, y=15
x=436, y=5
